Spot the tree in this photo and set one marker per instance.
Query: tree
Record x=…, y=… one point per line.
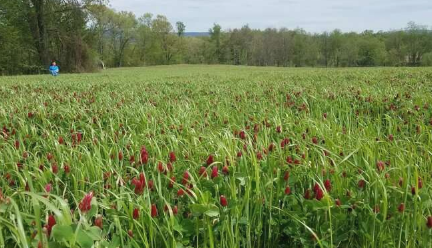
x=163, y=32
x=215, y=38
x=195, y=48
x=418, y=42
x=47, y=29
x=299, y=47
x=36, y=16
x=180, y=29
x=396, y=48
x=239, y=42
x=53, y=21
x=122, y=28
x=325, y=47
x=144, y=38
x=15, y=36
x=349, y=50
x=99, y=27
x=335, y=40
x=371, y=50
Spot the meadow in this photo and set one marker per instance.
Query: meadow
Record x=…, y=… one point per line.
x=217, y=156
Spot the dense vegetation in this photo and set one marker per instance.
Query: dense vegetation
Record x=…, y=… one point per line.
x=83, y=35
x=217, y=156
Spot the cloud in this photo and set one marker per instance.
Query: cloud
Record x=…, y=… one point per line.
x=312, y=15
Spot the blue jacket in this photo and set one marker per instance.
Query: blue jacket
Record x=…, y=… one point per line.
x=54, y=68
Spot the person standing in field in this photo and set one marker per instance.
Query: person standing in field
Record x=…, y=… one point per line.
x=54, y=69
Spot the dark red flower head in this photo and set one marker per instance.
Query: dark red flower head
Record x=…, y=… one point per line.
x=380, y=166
x=401, y=208
x=287, y=190
x=154, y=211
x=66, y=169
x=136, y=214
x=316, y=187
x=150, y=184
x=85, y=204
x=307, y=194
x=210, y=160
x=171, y=182
x=50, y=156
x=215, y=172
x=327, y=185
x=139, y=184
x=271, y=147
x=202, y=171
x=51, y=220
x=319, y=193
x=180, y=193
x=170, y=167
x=76, y=138
x=429, y=222
x=362, y=183
x=144, y=155
x=284, y=142
x=99, y=222
x=376, y=209
x=132, y=159
x=259, y=156
x=54, y=168
x=48, y=188
x=186, y=177
x=50, y=224
x=286, y=175
x=225, y=170
x=419, y=183
x=160, y=167
x=175, y=210
x=242, y=135
x=172, y=157
x=223, y=201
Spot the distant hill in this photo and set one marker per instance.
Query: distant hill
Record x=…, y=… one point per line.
x=196, y=34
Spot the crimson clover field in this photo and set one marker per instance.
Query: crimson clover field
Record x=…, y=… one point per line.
x=217, y=156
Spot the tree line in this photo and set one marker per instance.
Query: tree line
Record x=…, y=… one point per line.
x=85, y=35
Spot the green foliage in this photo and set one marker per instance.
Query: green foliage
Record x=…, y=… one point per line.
x=83, y=35
x=43, y=31
x=426, y=60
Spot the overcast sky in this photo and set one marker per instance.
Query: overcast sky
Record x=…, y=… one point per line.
x=311, y=15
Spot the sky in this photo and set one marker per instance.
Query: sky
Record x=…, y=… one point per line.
x=311, y=15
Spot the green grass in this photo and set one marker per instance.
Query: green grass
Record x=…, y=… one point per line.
x=198, y=111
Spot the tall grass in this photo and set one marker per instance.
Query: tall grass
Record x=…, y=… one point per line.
x=367, y=132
